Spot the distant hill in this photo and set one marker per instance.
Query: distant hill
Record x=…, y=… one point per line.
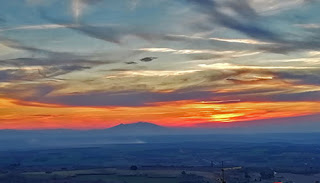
x=140, y=132
x=139, y=128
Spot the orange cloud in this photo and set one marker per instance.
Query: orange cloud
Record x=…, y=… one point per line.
x=24, y=115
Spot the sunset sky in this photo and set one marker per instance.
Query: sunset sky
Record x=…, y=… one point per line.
x=88, y=64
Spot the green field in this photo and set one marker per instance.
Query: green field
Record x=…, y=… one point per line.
x=114, y=176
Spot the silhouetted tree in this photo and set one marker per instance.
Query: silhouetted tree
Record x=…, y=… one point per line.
x=133, y=167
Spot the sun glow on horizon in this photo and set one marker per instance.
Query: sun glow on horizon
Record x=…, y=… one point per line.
x=23, y=115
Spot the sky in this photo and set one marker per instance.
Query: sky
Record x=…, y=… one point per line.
x=90, y=64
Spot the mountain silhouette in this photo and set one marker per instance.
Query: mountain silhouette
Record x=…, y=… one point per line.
x=139, y=128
